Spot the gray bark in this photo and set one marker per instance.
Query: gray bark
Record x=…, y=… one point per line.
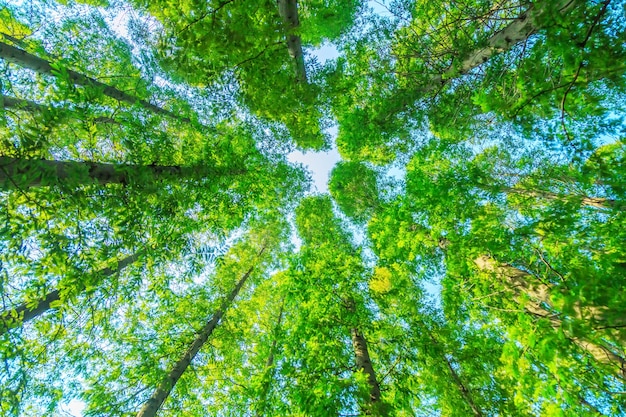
x=364, y=364
x=24, y=59
x=288, y=10
x=17, y=173
x=14, y=317
x=516, y=32
x=521, y=283
x=597, y=202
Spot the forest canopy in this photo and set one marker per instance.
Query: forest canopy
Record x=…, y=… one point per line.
x=162, y=255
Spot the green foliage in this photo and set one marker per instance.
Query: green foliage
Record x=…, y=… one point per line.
x=486, y=278
x=353, y=186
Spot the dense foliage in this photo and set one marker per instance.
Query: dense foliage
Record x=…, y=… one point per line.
x=160, y=255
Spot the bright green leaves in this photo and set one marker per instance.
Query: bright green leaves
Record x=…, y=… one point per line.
x=209, y=44
x=480, y=286
x=353, y=186
x=325, y=20
x=11, y=26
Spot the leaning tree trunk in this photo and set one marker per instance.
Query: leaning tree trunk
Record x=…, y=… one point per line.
x=504, y=40
x=521, y=283
x=152, y=406
x=17, y=173
x=597, y=202
x=268, y=373
x=364, y=364
x=25, y=312
x=32, y=107
x=22, y=58
x=288, y=10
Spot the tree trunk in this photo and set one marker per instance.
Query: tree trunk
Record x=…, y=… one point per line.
x=288, y=10
x=597, y=202
x=464, y=391
x=32, y=107
x=17, y=173
x=12, y=318
x=152, y=406
x=364, y=364
x=519, y=282
x=518, y=31
x=20, y=57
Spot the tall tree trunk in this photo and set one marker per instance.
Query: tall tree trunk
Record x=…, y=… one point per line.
x=521, y=283
x=17, y=173
x=458, y=382
x=152, y=406
x=14, y=317
x=597, y=202
x=518, y=31
x=20, y=57
x=32, y=107
x=364, y=364
x=288, y=10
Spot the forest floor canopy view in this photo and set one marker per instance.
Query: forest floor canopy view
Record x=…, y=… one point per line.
x=160, y=255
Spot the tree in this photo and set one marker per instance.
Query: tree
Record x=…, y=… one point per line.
x=248, y=41
x=454, y=80
x=540, y=304
x=25, y=312
x=330, y=258
x=155, y=402
x=17, y=56
x=17, y=173
x=353, y=187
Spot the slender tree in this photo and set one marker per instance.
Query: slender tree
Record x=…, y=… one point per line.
x=364, y=364
x=31, y=106
x=154, y=403
x=269, y=368
x=288, y=10
x=29, y=310
x=519, y=30
x=458, y=382
x=27, y=60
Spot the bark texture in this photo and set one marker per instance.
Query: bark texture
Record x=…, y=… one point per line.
x=288, y=10
x=17, y=173
x=14, y=317
x=152, y=406
x=364, y=364
x=516, y=32
x=597, y=202
x=24, y=59
x=521, y=283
